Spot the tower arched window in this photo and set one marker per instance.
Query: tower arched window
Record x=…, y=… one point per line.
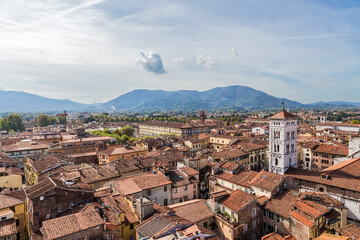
x=276, y=161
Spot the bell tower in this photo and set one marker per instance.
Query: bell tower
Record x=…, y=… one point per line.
x=282, y=142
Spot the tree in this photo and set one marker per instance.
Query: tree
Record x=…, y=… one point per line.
x=355, y=121
x=12, y=123
x=107, y=131
x=43, y=120
x=129, y=131
x=124, y=138
x=62, y=119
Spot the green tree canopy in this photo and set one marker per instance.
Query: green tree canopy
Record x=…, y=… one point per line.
x=62, y=119
x=129, y=131
x=43, y=120
x=124, y=138
x=12, y=123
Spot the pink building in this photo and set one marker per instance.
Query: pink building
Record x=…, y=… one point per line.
x=185, y=184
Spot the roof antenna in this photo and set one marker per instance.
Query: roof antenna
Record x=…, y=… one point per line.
x=283, y=104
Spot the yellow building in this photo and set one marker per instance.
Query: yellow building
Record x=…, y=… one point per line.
x=127, y=152
x=12, y=211
x=11, y=178
x=154, y=128
x=220, y=141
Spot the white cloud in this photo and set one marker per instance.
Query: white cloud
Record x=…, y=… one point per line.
x=28, y=79
x=205, y=61
x=151, y=62
x=180, y=59
x=234, y=53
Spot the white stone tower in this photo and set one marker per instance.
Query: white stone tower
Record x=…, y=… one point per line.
x=282, y=142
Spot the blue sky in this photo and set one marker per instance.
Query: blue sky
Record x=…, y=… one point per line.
x=94, y=50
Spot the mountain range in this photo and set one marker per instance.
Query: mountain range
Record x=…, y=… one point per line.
x=231, y=97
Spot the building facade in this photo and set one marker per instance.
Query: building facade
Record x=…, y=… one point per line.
x=282, y=142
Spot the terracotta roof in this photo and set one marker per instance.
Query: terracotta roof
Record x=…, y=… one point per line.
x=44, y=163
x=18, y=194
x=350, y=167
x=189, y=171
x=328, y=236
x=115, y=205
x=70, y=224
x=310, y=208
x=242, y=178
x=121, y=150
x=351, y=230
x=89, y=139
x=237, y=200
x=282, y=203
x=250, y=146
x=177, y=124
x=277, y=236
x=98, y=173
x=220, y=193
x=302, y=219
x=194, y=210
x=7, y=228
x=331, y=149
x=230, y=166
x=7, y=201
x=139, y=182
x=228, y=154
x=160, y=223
x=262, y=200
x=268, y=181
x=5, y=160
x=14, y=171
x=48, y=184
x=311, y=144
x=24, y=146
x=334, y=180
x=283, y=115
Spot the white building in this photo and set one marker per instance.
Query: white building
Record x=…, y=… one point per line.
x=282, y=142
x=260, y=130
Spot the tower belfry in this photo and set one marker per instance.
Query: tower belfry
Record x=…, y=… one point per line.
x=282, y=141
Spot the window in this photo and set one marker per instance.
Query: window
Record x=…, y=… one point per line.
x=205, y=225
x=245, y=227
x=194, y=185
x=186, y=198
x=149, y=192
x=165, y=202
x=109, y=237
x=165, y=188
x=131, y=237
x=276, y=161
x=41, y=198
x=175, y=190
x=132, y=226
x=253, y=212
x=185, y=187
x=17, y=222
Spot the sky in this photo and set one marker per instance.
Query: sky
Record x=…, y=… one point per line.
x=92, y=51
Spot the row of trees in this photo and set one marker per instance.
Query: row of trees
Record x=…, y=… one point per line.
x=44, y=120
x=123, y=135
x=106, y=118
x=12, y=123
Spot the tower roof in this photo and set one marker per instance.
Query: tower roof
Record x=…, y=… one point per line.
x=283, y=115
